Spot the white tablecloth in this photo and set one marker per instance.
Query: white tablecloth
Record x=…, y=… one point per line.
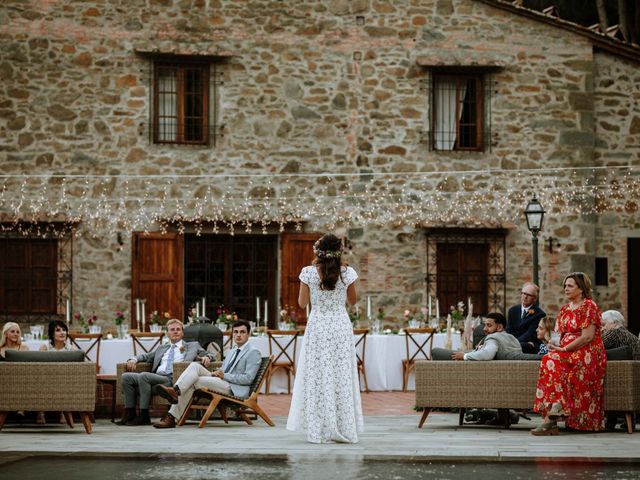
x=383, y=358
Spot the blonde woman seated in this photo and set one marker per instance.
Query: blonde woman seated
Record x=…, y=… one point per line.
x=543, y=332
x=58, y=338
x=11, y=339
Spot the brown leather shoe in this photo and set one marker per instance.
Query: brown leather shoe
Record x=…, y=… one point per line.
x=168, y=393
x=167, y=422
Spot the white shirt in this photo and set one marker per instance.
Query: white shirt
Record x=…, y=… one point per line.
x=178, y=356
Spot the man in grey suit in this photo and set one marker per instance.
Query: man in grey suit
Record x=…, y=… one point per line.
x=498, y=344
x=234, y=377
x=162, y=359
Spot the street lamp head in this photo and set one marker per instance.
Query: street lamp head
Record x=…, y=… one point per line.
x=534, y=214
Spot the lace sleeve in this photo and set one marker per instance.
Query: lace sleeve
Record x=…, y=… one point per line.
x=304, y=275
x=350, y=276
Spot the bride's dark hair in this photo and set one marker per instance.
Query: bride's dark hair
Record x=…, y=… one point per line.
x=328, y=251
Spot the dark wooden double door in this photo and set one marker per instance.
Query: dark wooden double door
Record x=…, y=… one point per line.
x=173, y=272
x=462, y=274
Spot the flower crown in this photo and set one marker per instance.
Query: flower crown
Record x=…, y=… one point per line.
x=327, y=253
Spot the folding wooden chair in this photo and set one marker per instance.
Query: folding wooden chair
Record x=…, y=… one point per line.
x=409, y=363
x=360, y=338
x=136, y=338
x=221, y=401
x=284, y=354
x=91, y=345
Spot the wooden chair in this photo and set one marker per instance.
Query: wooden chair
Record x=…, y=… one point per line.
x=284, y=354
x=136, y=338
x=221, y=401
x=415, y=351
x=93, y=344
x=361, y=345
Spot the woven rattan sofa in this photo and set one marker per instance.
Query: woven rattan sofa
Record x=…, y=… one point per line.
x=511, y=384
x=48, y=386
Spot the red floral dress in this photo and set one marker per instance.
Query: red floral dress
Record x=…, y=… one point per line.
x=575, y=379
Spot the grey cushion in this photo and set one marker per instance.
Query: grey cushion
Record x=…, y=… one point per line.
x=620, y=353
x=18, y=356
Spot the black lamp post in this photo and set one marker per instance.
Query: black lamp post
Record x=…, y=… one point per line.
x=534, y=214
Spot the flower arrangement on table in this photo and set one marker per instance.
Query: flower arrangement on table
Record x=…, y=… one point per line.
x=289, y=316
x=155, y=318
x=415, y=318
x=119, y=318
x=85, y=323
x=225, y=315
x=354, y=315
x=457, y=311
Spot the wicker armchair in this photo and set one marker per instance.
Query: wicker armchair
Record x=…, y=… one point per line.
x=48, y=386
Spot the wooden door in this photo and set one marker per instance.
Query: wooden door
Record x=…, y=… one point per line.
x=296, y=253
x=462, y=274
x=232, y=271
x=157, y=274
x=28, y=276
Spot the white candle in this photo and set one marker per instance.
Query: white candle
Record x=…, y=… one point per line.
x=143, y=313
x=68, y=312
x=197, y=310
x=437, y=308
x=266, y=313
x=203, y=307
x=470, y=310
x=368, y=306
x=307, y=311
x=468, y=304
x=258, y=311
x=429, y=306
x=138, y=311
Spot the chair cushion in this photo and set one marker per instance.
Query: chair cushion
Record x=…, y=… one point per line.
x=18, y=356
x=620, y=353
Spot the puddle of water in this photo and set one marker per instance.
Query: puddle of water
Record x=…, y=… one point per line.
x=171, y=468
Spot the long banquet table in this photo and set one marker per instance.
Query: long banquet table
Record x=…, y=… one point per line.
x=383, y=358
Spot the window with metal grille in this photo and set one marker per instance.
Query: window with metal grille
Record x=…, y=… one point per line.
x=181, y=102
x=457, y=111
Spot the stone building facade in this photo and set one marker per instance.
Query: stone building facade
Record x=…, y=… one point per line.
x=321, y=100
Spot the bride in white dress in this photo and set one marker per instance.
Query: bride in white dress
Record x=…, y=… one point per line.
x=326, y=393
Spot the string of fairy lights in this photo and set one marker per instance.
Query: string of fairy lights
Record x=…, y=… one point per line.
x=57, y=204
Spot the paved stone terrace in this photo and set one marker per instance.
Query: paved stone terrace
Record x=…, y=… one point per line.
x=390, y=433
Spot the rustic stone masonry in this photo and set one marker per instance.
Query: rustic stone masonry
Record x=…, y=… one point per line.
x=320, y=86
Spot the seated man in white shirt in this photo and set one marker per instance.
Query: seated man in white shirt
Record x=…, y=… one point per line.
x=234, y=377
x=139, y=384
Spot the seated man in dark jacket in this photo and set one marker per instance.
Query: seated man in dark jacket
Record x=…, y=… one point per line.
x=523, y=319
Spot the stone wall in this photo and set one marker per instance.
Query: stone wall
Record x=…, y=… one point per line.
x=307, y=89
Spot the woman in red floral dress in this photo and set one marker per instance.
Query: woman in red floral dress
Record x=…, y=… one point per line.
x=571, y=379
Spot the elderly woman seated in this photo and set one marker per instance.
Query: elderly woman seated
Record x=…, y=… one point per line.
x=615, y=334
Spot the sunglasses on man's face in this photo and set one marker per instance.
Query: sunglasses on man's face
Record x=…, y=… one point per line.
x=528, y=294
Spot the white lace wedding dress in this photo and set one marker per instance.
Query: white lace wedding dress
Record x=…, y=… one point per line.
x=326, y=393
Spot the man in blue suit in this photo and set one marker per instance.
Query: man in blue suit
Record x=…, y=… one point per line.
x=523, y=319
x=234, y=377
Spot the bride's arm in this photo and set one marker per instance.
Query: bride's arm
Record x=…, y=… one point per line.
x=352, y=295
x=303, y=295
